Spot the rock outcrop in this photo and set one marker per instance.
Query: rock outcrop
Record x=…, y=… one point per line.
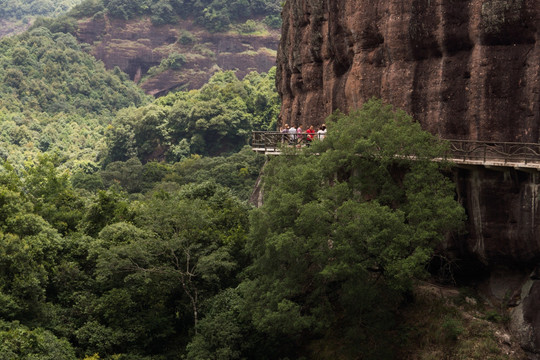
x=135, y=46
x=465, y=69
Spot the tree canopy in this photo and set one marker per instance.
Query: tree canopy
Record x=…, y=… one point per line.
x=215, y=15
x=343, y=234
x=214, y=120
x=20, y=8
x=163, y=260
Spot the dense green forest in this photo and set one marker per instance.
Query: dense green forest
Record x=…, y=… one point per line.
x=165, y=260
x=126, y=231
x=56, y=98
x=18, y=9
x=215, y=15
x=46, y=72
x=216, y=119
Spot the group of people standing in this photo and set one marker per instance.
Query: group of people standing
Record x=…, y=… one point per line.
x=298, y=136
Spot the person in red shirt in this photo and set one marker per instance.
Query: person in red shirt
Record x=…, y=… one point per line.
x=310, y=133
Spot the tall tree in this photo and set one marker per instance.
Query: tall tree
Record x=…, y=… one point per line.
x=346, y=227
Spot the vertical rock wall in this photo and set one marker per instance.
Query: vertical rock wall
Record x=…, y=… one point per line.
x=503, y=212
x=466, y=69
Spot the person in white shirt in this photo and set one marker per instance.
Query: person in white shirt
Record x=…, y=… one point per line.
x=292, y=135
x=321, y=133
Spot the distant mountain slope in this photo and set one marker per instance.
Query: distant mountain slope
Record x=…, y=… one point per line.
x=56, y=98
x=46, y=72
x=170, y=44
x=162, y=44
x=20, y=8
x=182, y=55
x=17, y=15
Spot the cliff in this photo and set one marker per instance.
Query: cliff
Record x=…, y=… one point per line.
x=465, y=69
x=135, y=46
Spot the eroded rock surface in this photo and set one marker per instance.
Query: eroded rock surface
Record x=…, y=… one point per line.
x=466, y=69
x=136, y=45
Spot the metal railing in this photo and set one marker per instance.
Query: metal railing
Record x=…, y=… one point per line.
x=485, y=151
x=272, y=141
x=465, y=151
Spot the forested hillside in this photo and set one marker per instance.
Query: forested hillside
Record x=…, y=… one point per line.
x=215, y=15
x=17, y=15
x=126, y=231
x=56, y=98
x=18, y=9
x=170, y=45
x=165, y=260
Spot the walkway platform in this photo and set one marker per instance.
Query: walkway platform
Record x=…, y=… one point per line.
x=462, y=153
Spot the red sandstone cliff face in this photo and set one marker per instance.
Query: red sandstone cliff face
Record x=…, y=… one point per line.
x=136, y=45
x=466, y=69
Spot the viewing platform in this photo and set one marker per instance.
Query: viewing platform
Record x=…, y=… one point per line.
x=464, y=153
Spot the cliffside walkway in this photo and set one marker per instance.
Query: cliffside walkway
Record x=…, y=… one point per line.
x=490, y=154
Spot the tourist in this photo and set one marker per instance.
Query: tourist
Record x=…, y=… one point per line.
x=321, y=133
x=310, y=133
x=292, y=135
x=300, y=132
x=284, y=130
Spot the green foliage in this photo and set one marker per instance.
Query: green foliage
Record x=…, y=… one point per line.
x=341, y=235
x=174, y=61
x=29, y=247
x=182, y=248
x=222, y=333
x=20, y=342
x=186, y=38
x=49, y=73
x=21, y=8
x=63, y=24
x=215, y=15
x=237, y=172
x=214, y=120
x=106, y=208
x=133, y=279
x=52, y=195
x=55, y=98
x=250, y=26
x=452, y=329
x=87, y=8
x=273, y=21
